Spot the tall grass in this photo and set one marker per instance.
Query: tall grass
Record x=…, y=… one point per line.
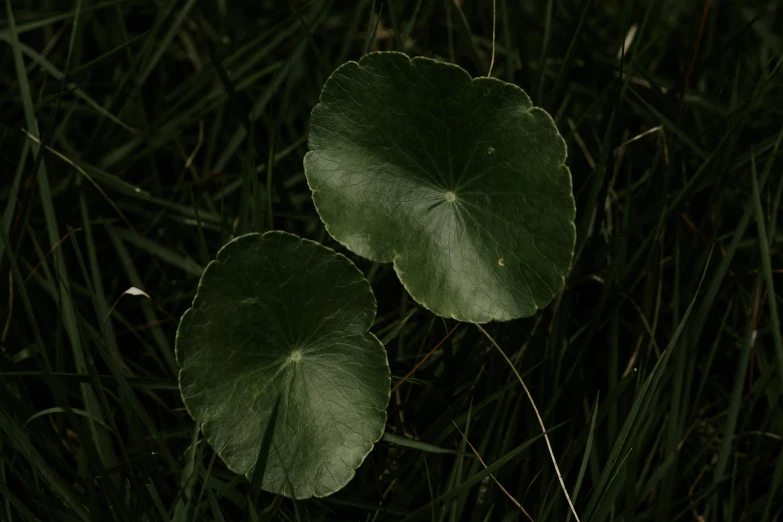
x=137, y=137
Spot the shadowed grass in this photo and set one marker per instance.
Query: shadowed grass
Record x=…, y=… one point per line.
x=191, y=119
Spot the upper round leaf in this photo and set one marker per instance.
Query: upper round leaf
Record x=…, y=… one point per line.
x=460, y=182
x=281, y=324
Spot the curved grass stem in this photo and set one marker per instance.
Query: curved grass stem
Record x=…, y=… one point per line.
x=538, y=416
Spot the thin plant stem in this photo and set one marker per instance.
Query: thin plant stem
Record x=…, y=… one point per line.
x=494, y=23
x=538, y=416
x=504, y=490
x=425, y=358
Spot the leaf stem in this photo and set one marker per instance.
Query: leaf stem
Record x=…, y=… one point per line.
x=538, y=416
x=494, y=23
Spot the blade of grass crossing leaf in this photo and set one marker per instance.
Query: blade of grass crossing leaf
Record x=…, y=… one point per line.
x=766, y=266
x=263, y=453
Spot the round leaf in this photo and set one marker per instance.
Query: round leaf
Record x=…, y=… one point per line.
x=460, y=182
x=276, y=353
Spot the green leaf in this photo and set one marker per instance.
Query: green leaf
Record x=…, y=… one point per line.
x=460, y=182
x=280, y=316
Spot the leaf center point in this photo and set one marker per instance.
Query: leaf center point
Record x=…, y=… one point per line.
x=450, y=196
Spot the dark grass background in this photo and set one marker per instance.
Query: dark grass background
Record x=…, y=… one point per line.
x=170, y=126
